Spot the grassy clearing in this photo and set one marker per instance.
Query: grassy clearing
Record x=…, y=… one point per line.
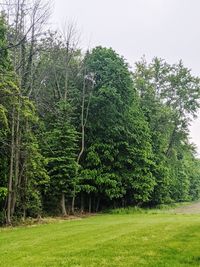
x=106, y=240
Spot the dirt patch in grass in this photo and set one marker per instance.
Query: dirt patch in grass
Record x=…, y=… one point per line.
x=189, y=209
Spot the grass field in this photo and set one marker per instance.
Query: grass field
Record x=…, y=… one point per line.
x=105, y=240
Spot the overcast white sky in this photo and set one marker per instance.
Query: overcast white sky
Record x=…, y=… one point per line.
x=169, y=29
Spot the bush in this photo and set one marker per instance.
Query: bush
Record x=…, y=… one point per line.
x=128, y=210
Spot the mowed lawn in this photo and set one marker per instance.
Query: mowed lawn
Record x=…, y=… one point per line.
x=105, y=240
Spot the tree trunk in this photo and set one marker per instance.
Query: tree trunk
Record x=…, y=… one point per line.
x=90, y=204
x=24, y=214
x=10, y=180
x=73, y=204
x=98, y=203
x=17, y=155
x=63, y=205
x=82, y=202
x=25, y=181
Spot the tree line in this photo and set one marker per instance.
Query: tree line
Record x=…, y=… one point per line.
x=81, y=131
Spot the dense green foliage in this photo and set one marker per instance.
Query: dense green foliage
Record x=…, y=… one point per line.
x=81, y=132
x=113, y=240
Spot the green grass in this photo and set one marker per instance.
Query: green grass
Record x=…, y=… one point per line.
x=105, y=240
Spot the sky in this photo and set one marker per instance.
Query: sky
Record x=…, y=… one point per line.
x=169, y=29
